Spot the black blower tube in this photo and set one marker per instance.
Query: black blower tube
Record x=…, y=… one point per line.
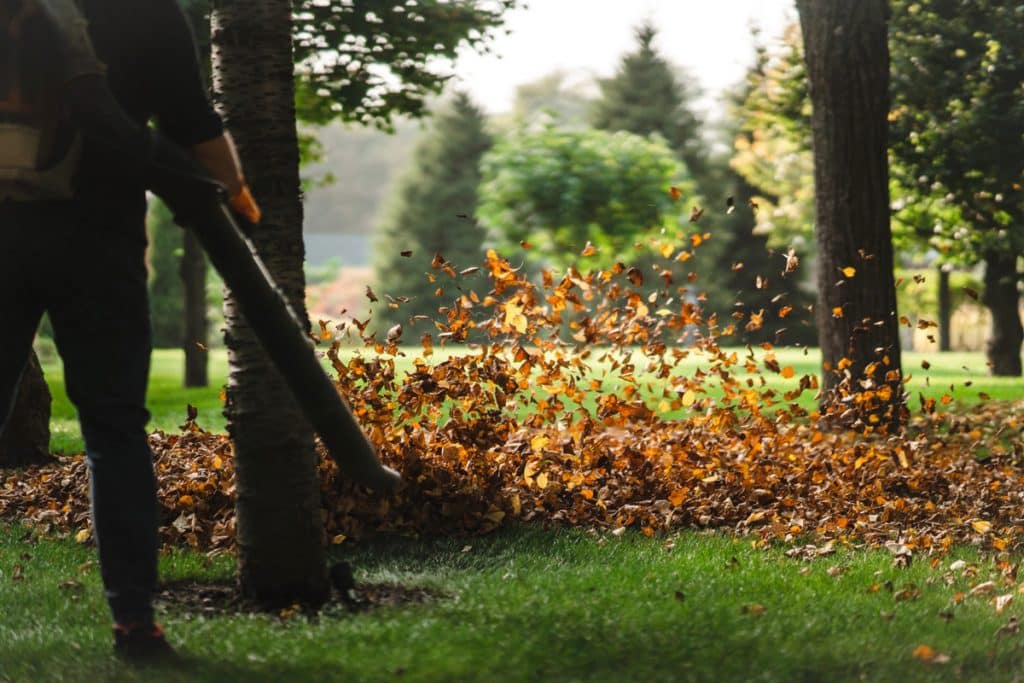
x=198, y=202
x=282, y=336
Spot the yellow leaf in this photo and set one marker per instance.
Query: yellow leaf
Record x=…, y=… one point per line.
x=981, y=526
x=495, y=516
x=529, y=470
x=514, y=317
x=666, y=250
x=849, y=271
x=542, y=480
x=82, y=536
x=218, y=463
x=338, y=539
x=689, y=398
x=924, y=653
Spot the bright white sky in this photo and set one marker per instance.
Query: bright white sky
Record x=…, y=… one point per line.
x=711, y=39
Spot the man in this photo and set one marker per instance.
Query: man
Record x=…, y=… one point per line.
x=82, y=259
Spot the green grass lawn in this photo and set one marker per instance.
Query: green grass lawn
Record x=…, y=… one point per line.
x=530, y=604
x=168, y=400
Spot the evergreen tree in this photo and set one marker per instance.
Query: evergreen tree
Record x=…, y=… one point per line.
x=645, y=96
x=741, y=275
x=432, y=213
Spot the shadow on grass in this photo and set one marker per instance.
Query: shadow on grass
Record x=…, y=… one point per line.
x=191, y=597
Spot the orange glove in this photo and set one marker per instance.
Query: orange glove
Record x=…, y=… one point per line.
x=245, y=205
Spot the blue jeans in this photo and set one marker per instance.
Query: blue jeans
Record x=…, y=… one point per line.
x=88, y=272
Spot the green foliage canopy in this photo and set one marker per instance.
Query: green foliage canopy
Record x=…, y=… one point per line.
x=367, y=60
x=558, y=189
x=958, y=117
x=773, y=143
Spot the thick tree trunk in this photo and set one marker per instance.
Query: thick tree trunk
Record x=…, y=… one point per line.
x=280, y=537
x=26, y=438
x=945, y=311
x=1003, y=301
x=848, y=73
x=193, y=275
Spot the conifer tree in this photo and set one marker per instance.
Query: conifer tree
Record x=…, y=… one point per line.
x=741, y=276
x=645, y=96
x=432, y=213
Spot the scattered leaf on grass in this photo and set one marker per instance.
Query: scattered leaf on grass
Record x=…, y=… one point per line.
x=929, y=655
x=984, y=588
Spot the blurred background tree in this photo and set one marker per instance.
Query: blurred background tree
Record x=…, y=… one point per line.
x=558, y=190
x=431, y=212
x=958, y=133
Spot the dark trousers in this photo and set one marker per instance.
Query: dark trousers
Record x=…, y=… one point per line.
x=88, y=272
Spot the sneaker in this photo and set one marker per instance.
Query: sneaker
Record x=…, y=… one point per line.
x=142, y=643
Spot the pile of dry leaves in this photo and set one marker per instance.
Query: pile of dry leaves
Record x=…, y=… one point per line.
x=575, y=403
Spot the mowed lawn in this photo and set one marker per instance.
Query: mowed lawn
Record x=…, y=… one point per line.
x=535, y=604
x=964, y=376
x=543, y=605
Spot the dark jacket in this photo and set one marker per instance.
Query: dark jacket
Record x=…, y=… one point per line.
x=153, y=71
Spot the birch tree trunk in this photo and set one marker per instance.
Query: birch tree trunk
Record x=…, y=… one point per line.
x=280, y=538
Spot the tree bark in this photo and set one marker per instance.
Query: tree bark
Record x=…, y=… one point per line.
x=26, y=438
x=193, y=275
x=1003, y=301
x=280, y=535
x=847, y=58
x=945, y=311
